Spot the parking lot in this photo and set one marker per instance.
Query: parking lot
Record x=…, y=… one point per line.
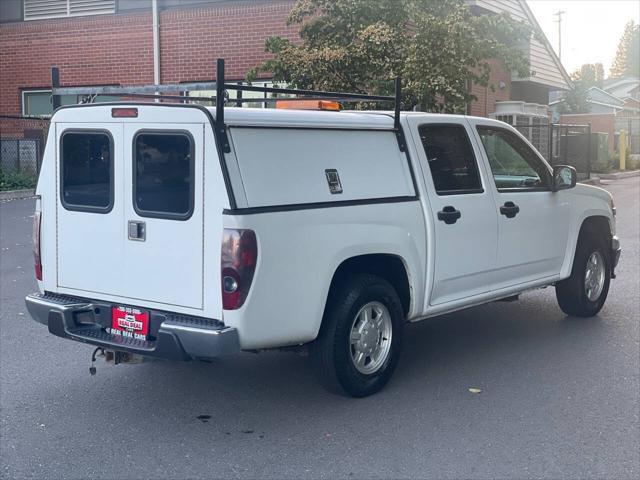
x=560, y=396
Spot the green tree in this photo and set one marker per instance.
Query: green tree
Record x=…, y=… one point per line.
x=587, y=76
x=627, y=59
x=590, y=74
x=575, y=100
x=599, y=75
x=438, y=47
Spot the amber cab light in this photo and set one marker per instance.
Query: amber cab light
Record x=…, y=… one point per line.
x=238, y=264
x=37, y=261
x=308, y=105
x=124, y=112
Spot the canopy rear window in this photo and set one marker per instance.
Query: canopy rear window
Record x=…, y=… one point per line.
x=87, y=171
x=163, y=174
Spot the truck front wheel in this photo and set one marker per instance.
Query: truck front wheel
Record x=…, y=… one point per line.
x=583, y=294
x=359, y=342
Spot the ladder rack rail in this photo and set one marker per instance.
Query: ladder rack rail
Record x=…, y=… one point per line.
x=221, y=88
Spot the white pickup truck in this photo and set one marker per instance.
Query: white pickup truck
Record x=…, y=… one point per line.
x=306, y=228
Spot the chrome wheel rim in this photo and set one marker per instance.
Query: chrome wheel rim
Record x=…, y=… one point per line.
x=370, y=337
x=594, y=276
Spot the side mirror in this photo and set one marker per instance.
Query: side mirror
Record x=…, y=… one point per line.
x=564, y=177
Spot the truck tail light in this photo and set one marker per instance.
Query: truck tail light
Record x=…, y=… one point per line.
x=238, y=263
x=36, y=245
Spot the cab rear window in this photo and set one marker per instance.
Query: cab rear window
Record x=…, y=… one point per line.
x=163, y=174
x=451, y=160
x=87, y=171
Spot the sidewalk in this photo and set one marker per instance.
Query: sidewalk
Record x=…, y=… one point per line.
x=596, y=177
x=618, y=175
x=16, y=194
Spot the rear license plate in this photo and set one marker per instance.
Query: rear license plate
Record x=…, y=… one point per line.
x=130, y=322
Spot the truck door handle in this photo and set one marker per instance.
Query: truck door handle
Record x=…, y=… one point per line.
x=137, y=231
x=509, y=209
x=449, y=215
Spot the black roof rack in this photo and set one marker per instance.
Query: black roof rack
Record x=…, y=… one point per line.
x=167, y=92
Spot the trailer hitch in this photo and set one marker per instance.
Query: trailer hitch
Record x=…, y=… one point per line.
x=92, y=367
x=113, y=357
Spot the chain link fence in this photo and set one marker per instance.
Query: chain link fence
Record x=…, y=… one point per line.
x=22, y=141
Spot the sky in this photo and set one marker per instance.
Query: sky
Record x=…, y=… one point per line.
x=591, y=29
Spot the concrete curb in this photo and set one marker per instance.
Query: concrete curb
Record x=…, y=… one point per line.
x=619, y=175
x=17, y=194
x=591, y=181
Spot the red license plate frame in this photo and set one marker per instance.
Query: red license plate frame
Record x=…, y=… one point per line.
x=130, y=322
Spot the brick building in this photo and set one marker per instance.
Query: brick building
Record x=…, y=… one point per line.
x=106, y=42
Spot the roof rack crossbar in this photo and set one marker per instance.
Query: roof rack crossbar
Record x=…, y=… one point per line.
x=278, y=99
x=167, y=97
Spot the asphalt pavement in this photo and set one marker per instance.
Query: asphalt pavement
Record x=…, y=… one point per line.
x=560, y=395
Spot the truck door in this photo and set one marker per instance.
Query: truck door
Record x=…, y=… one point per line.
x=164, y=213
x=89, y=240
x=463, y=209
x=533, y=221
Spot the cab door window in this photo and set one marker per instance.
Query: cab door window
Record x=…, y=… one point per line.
x=451, y=160
x=514, y=165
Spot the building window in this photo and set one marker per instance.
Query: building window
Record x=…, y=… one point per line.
x=233, y=95
x=37, y=103
x=505, y=118
x=41, y=9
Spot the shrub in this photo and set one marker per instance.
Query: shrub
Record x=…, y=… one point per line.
x=14, y=180
x=633, y=162
x=602, y=164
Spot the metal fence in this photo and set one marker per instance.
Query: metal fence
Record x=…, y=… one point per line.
x=22, y=141
x=632, y=126
x=563, y=145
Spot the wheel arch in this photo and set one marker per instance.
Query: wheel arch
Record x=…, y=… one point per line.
x=391, y=267
x=591, y=223
x=595, y=224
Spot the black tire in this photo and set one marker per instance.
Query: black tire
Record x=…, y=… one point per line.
x=331, y=350
x=571, y=292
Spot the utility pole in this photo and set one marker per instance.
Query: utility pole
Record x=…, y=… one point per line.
x=559, y=14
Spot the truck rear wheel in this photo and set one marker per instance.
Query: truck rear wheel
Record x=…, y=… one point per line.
x=359, y=343
x=583, y=294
